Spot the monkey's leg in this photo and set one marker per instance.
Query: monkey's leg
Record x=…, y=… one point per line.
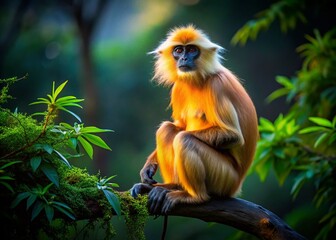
x=201, y=170
x=164, y=148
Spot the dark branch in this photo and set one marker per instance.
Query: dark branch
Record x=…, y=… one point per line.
x=241, y=214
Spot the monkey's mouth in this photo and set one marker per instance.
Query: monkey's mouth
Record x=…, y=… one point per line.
x=185, y=68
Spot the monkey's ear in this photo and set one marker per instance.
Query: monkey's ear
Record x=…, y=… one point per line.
x=155, y=52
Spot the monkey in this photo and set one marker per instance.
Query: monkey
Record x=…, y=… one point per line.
x=208, y=147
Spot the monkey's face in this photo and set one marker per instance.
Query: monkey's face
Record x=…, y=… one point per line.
x=185, y=57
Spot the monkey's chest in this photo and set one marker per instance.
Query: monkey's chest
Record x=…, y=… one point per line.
x=195, y=119
x=193, y=115
x=190, y=107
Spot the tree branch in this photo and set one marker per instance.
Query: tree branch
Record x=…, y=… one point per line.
x=241, y=214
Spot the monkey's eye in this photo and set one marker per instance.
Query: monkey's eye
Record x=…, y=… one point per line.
x=192, y=48
x=178, y=49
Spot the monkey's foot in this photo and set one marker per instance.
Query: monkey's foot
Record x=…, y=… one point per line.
x=158, y=201
x=140, y=188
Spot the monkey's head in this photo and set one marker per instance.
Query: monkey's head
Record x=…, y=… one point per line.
x=186, y=55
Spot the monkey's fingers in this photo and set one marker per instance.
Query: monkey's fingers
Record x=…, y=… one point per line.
x=157, y=197
x=147, y=175
x=140, y=188
x=168, y=204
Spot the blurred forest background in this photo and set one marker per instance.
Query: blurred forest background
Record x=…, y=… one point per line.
x=101, y=48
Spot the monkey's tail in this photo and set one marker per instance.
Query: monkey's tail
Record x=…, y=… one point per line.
x=164, y=230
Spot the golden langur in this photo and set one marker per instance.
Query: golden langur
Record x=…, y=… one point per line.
x=209, y=145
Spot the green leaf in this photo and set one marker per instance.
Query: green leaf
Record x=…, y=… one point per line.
x=35, y=162
x=59, y=89
x=49, y=211
x=38, y=206
x=277, y=94
x=113, y=200
x=72, y=113
x=62, y=207
x=92, y=129
x=321, y=121
x=87, y=146
x=9, y=164
x=67, y=213
x=46, y=147
x=312, y=129
x=263, y=169
x=32, y=198
x=73, y=142
x=68, y=99
x=279, y=152
x=19, y=198
x=51, y=173
x=9, y=187
x=298, y=184
x=266, y=125
x=320, y=139
x=6, y=178
x=282, y=169
x=96, y=140
x=46, y=188
x=62, y=158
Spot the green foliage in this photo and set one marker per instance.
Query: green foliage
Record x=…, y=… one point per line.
x=54, y=103
x=37, y=199
x=288, y=12
x=84, y=135
x=277, y=146
x=302, y=143
x=4, y=177
x=5, y=84
x=107, y=189
x=43, y=176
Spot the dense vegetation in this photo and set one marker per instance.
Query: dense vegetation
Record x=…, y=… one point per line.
x=41, y=193
x=302, y=142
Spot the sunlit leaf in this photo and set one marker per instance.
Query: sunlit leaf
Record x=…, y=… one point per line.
x=312, y=129
x=96, y=140
x=87, y=146
x=321, y=121
x=92, y=129
x=320, y=139
x=59, y=89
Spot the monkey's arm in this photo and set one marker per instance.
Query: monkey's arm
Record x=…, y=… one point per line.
x=219, y=138
x=149, y=169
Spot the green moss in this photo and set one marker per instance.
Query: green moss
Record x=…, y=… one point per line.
x=16, y=130
x=136, y=215
x=78, y=189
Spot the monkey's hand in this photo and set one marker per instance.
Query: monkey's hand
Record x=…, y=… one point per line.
x=147, y=173
x=140, y=188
